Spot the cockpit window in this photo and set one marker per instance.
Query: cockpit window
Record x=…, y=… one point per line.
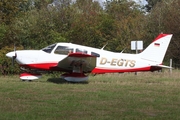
x=81, y=50
x=64, y=50
x=95, y=54
x=48, y=49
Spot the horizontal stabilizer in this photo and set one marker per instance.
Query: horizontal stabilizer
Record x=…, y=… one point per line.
x=162, y=66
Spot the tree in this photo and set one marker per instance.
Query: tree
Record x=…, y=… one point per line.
x=3, y=30
x=164, y=18
x=85, y=22
x=9, y=9
x=151, y=4
x=128, y=24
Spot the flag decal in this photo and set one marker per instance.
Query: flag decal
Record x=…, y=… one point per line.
x=157, y=44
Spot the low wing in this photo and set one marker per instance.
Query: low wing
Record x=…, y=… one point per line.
x=86, y=61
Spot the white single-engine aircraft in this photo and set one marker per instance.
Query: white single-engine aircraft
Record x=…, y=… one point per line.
x=77, y=60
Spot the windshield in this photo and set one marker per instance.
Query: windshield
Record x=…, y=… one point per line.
x=48, y=49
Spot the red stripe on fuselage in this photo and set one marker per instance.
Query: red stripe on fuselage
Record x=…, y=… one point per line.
x=42, y=66
x=106, y=70
x=53, y=66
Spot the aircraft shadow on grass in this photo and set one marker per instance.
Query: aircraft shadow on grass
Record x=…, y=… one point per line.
x=62, y=81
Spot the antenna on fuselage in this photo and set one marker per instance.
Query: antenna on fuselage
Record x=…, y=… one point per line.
x=123, y=50
x=104, y=46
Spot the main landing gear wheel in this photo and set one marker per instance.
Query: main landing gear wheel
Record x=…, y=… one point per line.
x=74, y=77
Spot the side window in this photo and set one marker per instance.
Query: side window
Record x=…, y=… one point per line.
x=95, y=54
x=63, y=50
x=81, y=51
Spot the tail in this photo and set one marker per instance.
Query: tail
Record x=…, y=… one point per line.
x=156, y=50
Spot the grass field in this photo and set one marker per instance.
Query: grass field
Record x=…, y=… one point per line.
x=104, y=97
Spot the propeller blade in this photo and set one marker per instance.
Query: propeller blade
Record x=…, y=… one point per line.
x=14, y=56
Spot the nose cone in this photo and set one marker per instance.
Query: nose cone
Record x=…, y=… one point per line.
x=11, y=54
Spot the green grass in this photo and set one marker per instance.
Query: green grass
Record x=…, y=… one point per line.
x=103, y=97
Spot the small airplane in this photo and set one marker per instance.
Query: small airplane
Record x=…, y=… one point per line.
x=77, y=61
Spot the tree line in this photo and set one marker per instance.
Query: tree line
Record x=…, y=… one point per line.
x=32, y=24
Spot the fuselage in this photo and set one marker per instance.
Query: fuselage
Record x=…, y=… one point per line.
x=107, y=62
x=77, y=60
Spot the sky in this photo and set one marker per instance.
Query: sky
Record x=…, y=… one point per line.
x=101, y=2
x=141, y=2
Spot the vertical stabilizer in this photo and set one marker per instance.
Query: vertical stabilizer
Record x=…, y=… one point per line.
x=156, y=50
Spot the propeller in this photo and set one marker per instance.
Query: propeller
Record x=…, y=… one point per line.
x=15, y=55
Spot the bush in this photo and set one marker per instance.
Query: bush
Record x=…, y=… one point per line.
x=7, y=66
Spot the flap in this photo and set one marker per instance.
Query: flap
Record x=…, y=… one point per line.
x=88, y=62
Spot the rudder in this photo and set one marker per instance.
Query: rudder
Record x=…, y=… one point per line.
x=157, y=49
